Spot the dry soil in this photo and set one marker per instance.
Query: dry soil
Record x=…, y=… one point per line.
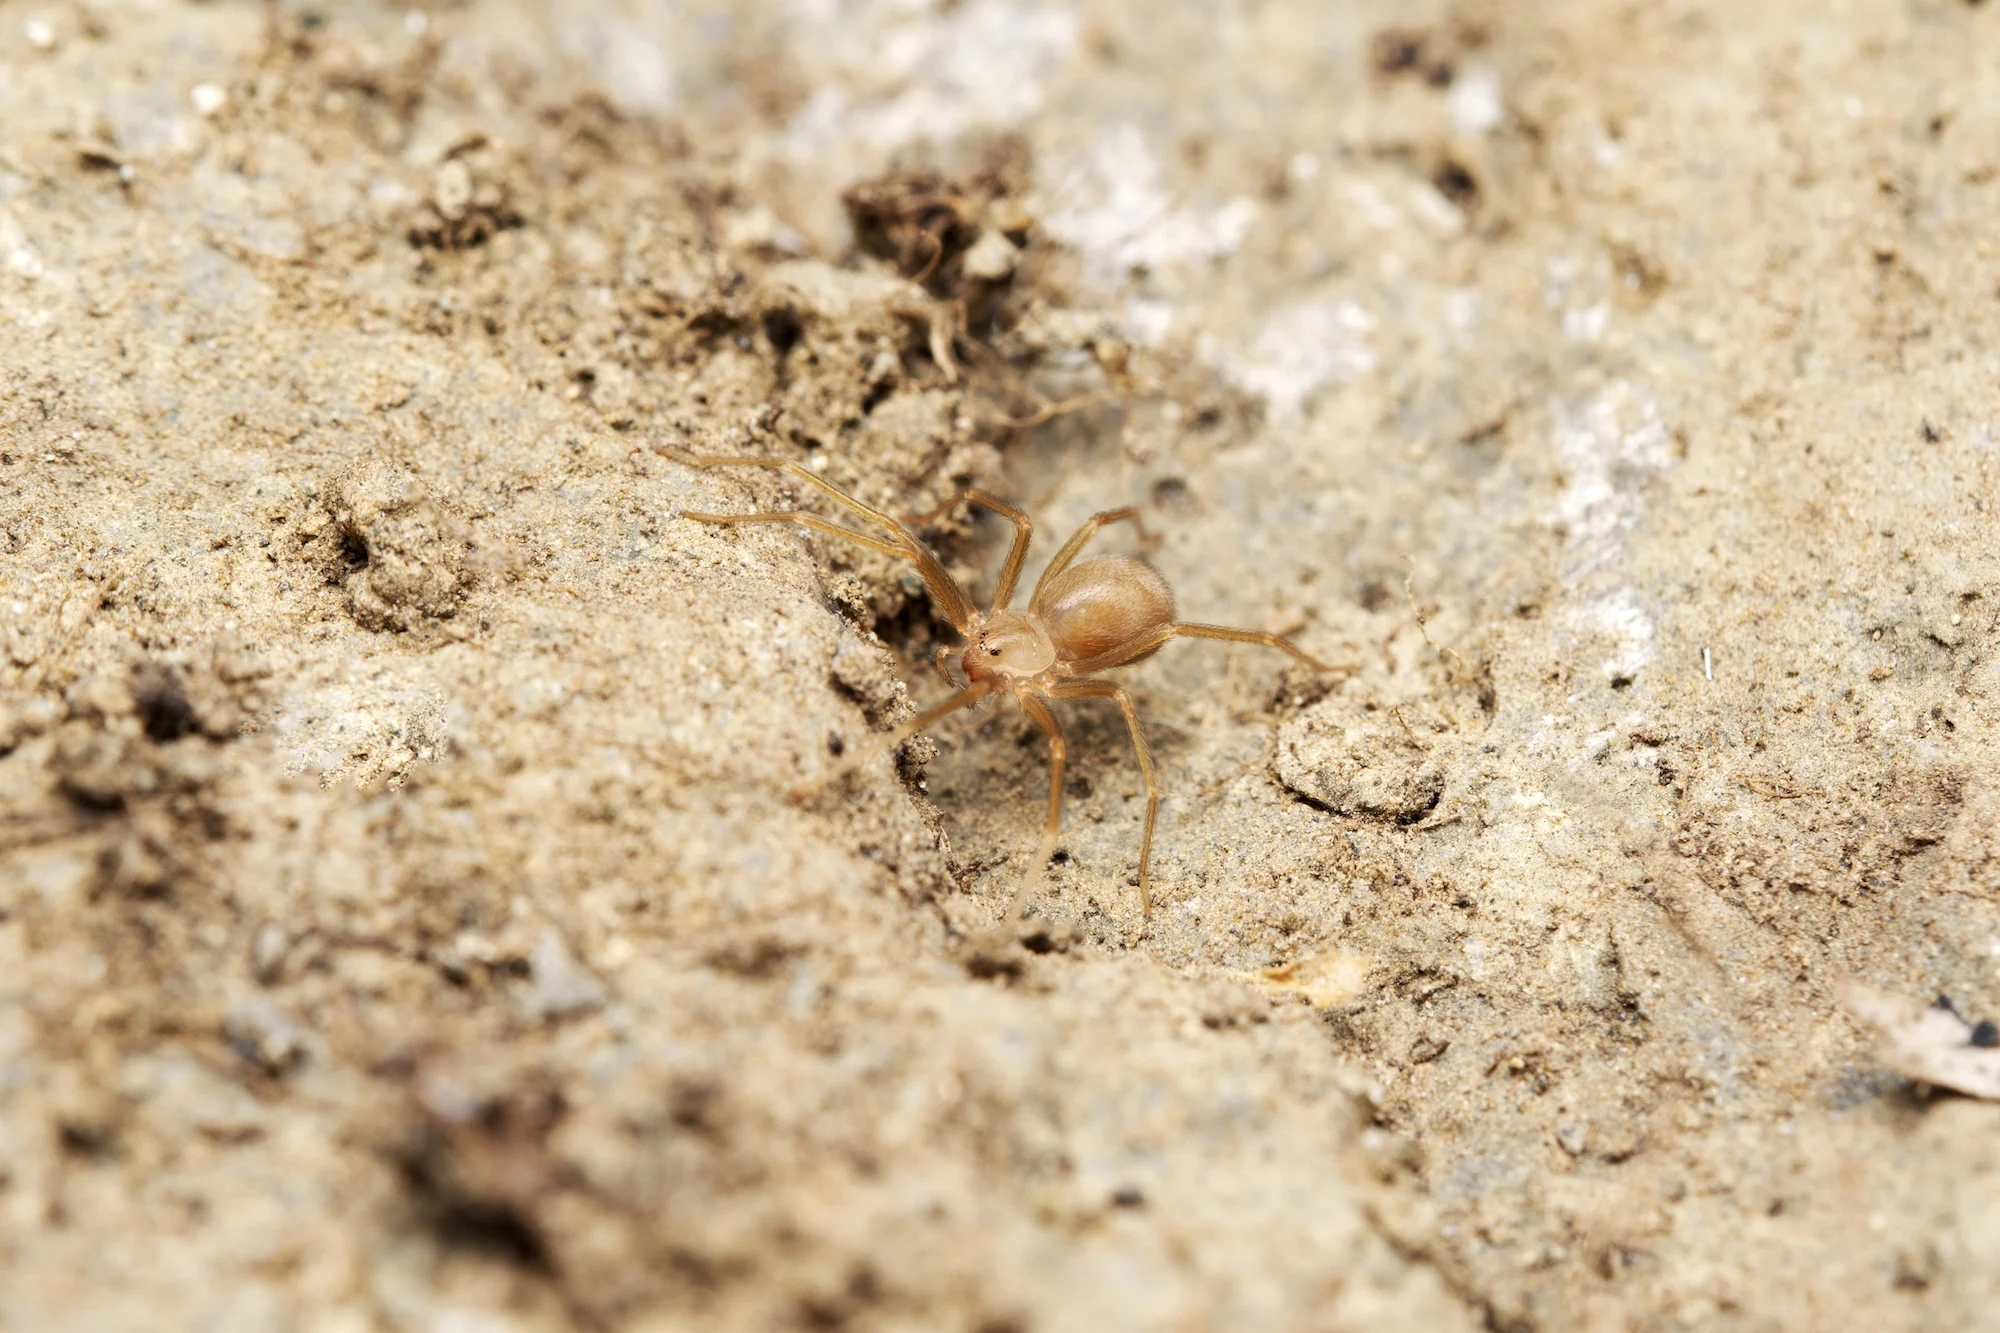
x=406, y=919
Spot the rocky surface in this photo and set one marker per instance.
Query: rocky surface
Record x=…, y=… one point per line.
x=409, y=914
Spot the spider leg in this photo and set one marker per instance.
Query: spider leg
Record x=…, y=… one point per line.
x=1190, y=631
x=1045, y=718
x=798, y=471
x=1104, y=689
x=813, y=521
x=1135, y=648
x=951, y=599
x=965, y=698
x=1017, y=555
x=1081, y=538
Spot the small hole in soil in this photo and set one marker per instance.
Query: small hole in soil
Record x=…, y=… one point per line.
x=1456, y=183
x=164, y=709
x=784, y=330
x=87, y=1139
x=1396, y=50
x=494, y=1230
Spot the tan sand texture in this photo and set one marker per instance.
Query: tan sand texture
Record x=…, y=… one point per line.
x=405, y=919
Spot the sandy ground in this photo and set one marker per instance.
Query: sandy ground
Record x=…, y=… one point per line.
x=404, y=920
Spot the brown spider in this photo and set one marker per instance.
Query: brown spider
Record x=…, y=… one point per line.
x=1108, y=611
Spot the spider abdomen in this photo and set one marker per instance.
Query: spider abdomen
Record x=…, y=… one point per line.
x=1096, y=605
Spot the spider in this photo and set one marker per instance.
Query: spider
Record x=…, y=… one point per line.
x=1082, y=618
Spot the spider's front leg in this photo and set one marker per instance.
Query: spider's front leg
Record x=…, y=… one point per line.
x=1045, y=718
x=949, y=664
x=857, y=755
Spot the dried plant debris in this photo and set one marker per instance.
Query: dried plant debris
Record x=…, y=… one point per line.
x=472, y=195
x=1325, y=980
x=1931, y=1043
x=956, y=237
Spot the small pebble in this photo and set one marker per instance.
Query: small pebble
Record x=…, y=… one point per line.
x=452, y=190
x=562, y=988
x=264, y=1035
x=208, y=99
x=41, y=34
x=991, y=258
x=267, y=953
